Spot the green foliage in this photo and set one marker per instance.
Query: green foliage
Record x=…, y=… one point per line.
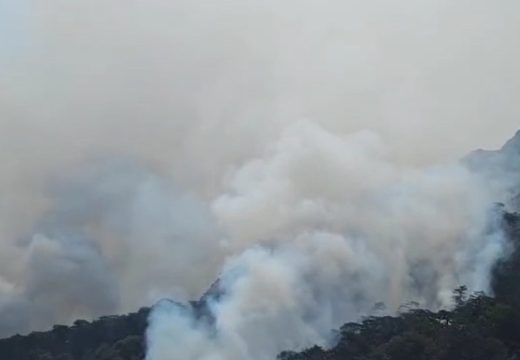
x=460, y=295
x=109, y=338
x=479, y=328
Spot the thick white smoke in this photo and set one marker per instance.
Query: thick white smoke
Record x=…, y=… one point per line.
x=329, y=227
x=149, y=147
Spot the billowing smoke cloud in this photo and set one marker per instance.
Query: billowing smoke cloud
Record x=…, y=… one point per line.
x=217, y=175
x=329, y=228
x=114, y=236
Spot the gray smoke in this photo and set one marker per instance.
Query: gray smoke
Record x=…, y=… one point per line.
x=104, y=245
x=217, y=174
x=323, y=227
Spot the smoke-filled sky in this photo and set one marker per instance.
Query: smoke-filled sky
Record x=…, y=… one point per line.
x=149, y=147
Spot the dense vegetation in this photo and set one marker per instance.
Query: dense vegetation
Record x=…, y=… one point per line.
x=109, y=338
x=479, y=328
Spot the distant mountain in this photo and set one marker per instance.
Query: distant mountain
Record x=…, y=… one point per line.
x=506, y=158
x=500, y=167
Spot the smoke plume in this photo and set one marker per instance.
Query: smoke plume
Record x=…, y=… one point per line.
x=324, y=227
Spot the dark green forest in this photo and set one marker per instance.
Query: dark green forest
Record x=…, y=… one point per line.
x=480, y=327
x=108, y=338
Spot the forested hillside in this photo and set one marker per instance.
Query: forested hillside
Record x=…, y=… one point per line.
x=480, y=327
x=109, y=338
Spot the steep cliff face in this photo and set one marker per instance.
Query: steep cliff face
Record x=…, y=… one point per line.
x=501, y=168
x=503, y=157
x=505, y=280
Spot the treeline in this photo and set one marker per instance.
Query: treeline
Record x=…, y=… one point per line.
x=108, y=338
x=479, y=328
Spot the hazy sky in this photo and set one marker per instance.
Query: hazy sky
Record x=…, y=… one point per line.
x=435, y=78
x=197, y=87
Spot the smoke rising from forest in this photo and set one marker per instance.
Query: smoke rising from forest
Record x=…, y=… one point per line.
x=305, y=153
